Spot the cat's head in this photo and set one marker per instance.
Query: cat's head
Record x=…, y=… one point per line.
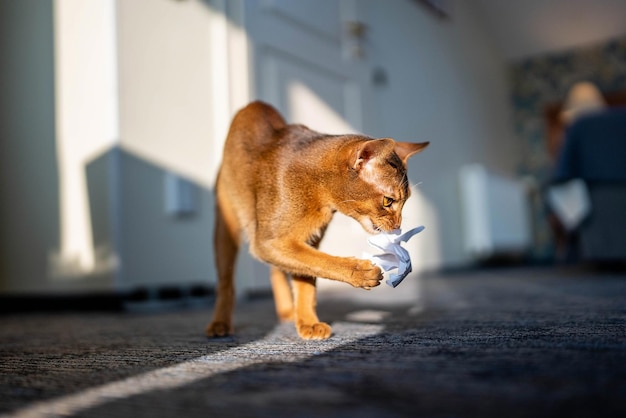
x=377, y=185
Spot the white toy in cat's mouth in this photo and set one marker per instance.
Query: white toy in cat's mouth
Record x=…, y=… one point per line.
x=394, y=255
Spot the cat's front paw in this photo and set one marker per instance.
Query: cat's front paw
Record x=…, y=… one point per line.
x=315, y=331
x=218, y=329
x=365, y=275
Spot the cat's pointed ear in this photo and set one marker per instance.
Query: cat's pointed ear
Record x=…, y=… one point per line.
x=369, y=150
x=406, y=150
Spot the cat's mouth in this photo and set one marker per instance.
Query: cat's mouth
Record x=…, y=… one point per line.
x=369, y=226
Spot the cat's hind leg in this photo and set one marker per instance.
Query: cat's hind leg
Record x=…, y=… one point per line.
x=226, y=246
x=308, y=324
x=283, y=299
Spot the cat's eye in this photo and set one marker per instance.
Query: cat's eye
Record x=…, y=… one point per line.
x=387, y=202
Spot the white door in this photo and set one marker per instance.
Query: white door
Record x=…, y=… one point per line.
x=309, y=60
x=308, y=63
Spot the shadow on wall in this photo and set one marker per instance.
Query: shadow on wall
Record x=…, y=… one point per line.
x=29, y=207
x=150, y=225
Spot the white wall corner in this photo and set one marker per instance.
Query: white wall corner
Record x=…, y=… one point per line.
x=87, y=124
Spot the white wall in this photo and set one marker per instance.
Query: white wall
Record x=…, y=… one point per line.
x=446, y=84
x=167, y=125
x=165, y=71
x=86, y=125
x=63, y=64
x=29, y=206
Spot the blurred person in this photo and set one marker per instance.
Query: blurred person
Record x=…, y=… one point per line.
x=588, y=189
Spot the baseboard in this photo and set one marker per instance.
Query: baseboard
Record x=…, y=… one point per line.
x=141, y=299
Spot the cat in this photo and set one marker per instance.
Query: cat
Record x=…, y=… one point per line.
x=279, y=185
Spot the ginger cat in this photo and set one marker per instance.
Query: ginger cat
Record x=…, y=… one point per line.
x=279, y=185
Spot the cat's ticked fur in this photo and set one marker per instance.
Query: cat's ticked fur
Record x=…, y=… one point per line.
x=279, y=185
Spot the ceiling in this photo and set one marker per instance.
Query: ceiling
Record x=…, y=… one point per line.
x=523, y=28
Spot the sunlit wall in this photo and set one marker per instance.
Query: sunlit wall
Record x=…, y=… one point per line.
x=150, y=86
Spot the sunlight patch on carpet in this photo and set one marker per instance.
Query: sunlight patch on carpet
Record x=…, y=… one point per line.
x=281, y=346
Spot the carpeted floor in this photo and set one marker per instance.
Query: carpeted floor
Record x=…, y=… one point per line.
x=493, y=343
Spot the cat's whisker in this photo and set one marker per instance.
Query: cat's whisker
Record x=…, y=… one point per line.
x=416, y=185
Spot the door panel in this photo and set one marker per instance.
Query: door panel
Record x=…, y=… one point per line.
x=302, y=66
x=321, y=17
x=305, y=93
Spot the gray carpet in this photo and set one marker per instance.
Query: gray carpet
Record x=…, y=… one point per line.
x=496, y=343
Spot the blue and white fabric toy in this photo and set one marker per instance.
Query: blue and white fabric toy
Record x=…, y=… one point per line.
x=394, y=256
